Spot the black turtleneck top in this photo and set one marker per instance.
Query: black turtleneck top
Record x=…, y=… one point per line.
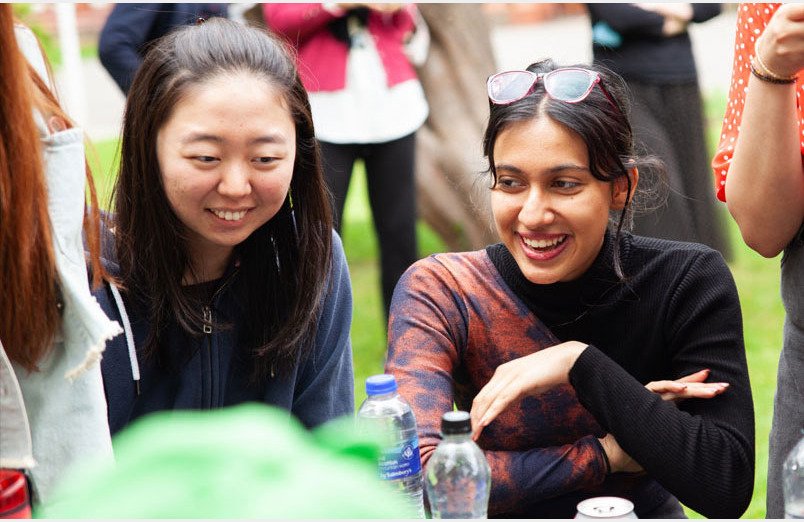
x=676, y=312
x=456, y=317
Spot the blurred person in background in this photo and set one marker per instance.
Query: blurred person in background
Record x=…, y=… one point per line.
x=759, y=174
x=130, y=28
x=648, y=45
x=367, y=104
x=52, y=332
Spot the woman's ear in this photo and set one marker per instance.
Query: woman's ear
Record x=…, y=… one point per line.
x=619, y=189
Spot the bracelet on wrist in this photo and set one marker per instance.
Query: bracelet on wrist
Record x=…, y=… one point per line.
x=765, y=70
x=770, y=79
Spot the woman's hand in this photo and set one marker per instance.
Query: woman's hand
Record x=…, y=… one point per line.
x=690, y=387
x=676, y=16
x=529, y=375
x=386, y=8
x=56, y=124
x=346, y=6
x=682, y=12
x=781, y=45
x=382, y=7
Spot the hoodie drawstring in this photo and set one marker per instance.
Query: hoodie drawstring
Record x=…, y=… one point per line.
x=132, y=351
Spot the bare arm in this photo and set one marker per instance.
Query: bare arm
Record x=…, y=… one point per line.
x=765, y=185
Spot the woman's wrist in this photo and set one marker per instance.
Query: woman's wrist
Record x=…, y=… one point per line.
x=572, y=350
x=762, y=75
x=760, y=69
x=604, y=442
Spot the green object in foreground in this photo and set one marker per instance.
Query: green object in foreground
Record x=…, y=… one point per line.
x=247, y=461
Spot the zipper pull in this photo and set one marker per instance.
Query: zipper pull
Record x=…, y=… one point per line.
x=207, y=328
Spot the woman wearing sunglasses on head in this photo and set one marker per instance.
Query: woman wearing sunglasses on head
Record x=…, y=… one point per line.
x=594, y=362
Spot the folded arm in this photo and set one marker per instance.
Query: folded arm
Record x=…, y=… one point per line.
x=701, y=450
x=427, y=334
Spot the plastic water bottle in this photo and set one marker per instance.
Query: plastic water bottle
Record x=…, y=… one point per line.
x=793, y=481
x=458, y=479
x=400, y=463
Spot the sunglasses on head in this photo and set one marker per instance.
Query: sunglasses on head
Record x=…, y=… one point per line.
x=568, y=84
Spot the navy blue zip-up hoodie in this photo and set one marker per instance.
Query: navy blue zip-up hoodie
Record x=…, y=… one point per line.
x=209, y=373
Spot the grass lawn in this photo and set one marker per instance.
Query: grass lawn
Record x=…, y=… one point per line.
x=757, y=281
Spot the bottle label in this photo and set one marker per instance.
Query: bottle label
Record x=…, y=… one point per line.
x=401, y=461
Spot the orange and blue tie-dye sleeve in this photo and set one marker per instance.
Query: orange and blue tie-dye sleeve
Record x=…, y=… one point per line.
x=537, y=450
x=751, y=22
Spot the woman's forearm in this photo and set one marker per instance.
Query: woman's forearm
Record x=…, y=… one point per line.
x=765, y=185
x=704, y=458
x=764, y=189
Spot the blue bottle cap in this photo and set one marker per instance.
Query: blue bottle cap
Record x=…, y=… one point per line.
x=380, y=384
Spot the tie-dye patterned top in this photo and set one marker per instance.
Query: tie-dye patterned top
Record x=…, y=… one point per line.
x=456, y=317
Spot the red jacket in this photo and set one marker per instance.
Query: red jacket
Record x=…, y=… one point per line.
x=322, y=57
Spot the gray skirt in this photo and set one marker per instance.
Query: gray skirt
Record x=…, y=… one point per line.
x=788, y=403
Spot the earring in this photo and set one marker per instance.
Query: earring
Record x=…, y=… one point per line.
x=293, y=214
x=277, y=263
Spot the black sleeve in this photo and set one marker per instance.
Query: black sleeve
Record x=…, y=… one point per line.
x=702, y=450
x=704, y=12
x=627, y=19
x=125, y=32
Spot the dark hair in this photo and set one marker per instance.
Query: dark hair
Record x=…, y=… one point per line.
x=283, y=265
x=604, y=127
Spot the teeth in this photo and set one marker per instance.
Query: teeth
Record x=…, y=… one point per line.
x=543, y=243
x=228, y=215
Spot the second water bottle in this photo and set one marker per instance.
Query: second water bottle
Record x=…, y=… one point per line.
x=793, y=481
x=458, y=476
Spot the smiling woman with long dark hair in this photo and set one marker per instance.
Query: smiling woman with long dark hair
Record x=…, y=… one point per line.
x=594, y=362
x=233, y=283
